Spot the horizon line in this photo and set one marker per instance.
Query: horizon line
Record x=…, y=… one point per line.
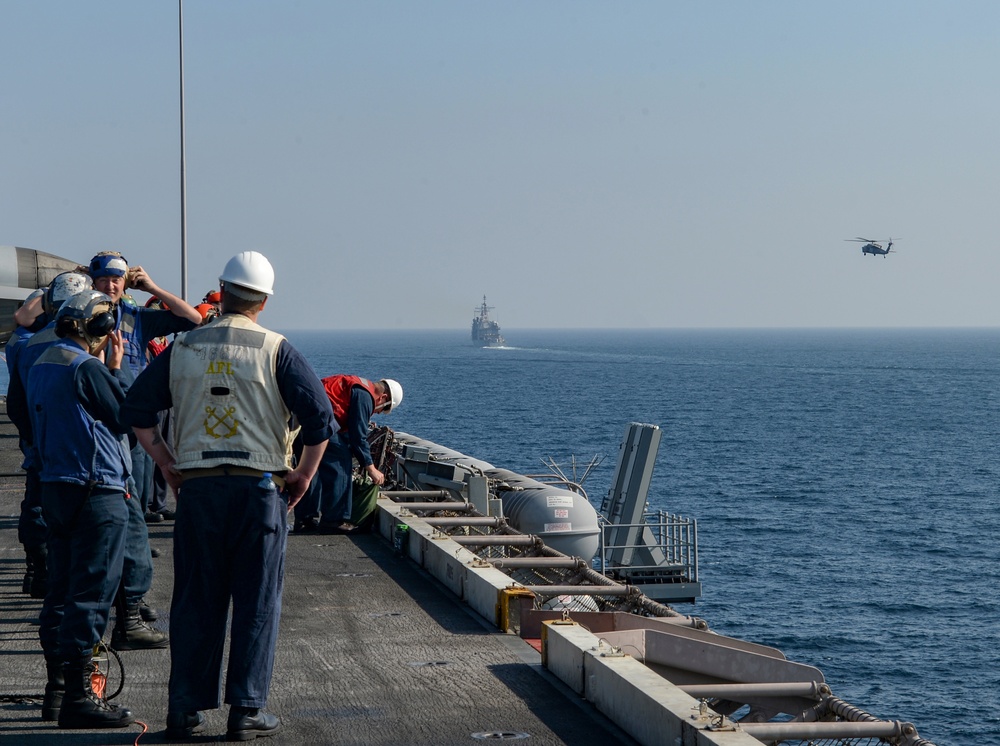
x=465, y=330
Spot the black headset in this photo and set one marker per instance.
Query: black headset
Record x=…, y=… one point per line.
x=101, y=324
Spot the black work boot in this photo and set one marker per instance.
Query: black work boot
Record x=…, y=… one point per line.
x=147, y=612
x=248, y=723
x=131, y=633
x=55, y=688
x=39, y=557
x=81, y=708
x=184, y=725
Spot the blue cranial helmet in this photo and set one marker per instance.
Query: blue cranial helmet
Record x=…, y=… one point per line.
x=108, y=264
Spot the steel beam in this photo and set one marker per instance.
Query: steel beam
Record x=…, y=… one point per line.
x=509, y=540
x=459, y=521
x=808, y=689
x=523, y=562
x=458, y=507
x=393, y=494
x=769, y=732
x=579, y=590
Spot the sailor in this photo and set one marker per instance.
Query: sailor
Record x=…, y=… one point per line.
x=157, y=344
x=234, y=387
x=214, y=299
x=74, y=402
x=31, y=526
x=139, y=325
x=112, y=275
x=328, y=506
x=157, y=509
x=207, y=311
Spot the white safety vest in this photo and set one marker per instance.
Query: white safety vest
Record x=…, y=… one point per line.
x=227, y=408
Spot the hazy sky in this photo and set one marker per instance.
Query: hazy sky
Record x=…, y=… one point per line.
x=613, y=164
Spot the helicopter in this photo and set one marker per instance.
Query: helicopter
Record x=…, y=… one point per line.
x=872, y=247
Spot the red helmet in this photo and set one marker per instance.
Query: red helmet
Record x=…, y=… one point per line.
x=206, y=310
x=213, y=296
x=155, y=302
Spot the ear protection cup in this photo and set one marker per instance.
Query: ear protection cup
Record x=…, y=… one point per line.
x=101, y=324
x=89, y=314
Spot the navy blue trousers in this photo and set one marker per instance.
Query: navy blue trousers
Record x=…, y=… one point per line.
x=137, y=569
x=142, y=473
x=330, y=491
x=31, y=526
x=229, y=545
x=86, y=544
x=158, y=487
x=334, y=476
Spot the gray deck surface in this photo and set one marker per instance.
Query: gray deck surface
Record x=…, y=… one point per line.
x=372, y=651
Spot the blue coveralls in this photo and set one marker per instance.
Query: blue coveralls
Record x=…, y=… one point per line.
x=31, y=526
x=229, y=544
x=330, y=495
x=74, y=403
x=86, y=547
x=137, y=573
x=138, y=327
x=335, y=484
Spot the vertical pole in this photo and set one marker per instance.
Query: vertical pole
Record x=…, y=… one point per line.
x=180, y=37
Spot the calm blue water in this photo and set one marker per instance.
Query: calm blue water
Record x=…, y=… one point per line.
x=845, y=483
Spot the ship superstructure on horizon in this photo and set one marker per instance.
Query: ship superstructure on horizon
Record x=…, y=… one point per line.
x=485, y=331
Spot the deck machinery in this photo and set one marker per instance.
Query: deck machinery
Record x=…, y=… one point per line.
x=655, y=552
x=661, y=676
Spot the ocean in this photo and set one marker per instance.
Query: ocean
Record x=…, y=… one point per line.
x=845, y=482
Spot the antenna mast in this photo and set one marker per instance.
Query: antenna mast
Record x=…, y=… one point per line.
x=180, y=37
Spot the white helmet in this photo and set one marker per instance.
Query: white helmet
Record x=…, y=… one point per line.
x=62, y=288
x=252, y=273
x=395, y=394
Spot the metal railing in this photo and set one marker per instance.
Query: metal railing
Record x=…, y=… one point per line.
x=675, y=536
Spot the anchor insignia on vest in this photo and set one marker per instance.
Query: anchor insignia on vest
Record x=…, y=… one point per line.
x=227, y=424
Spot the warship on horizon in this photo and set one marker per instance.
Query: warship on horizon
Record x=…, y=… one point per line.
x=485, y=331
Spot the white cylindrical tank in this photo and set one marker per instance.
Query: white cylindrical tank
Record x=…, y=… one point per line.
x=564, y=520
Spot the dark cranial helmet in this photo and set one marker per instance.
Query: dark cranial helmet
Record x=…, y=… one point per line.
x=90, y=314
